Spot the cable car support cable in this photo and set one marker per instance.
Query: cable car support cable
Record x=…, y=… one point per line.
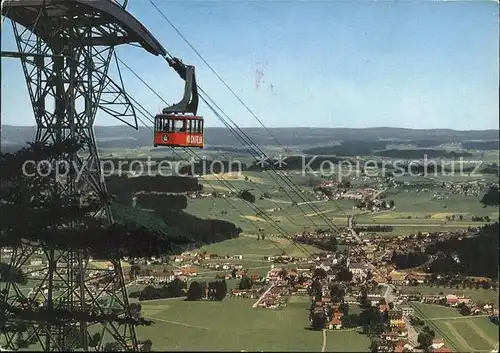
x=315, y=209
x=254, y=207
x=241, y=136
x=237, y=135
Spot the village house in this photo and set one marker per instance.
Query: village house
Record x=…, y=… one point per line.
x=335, y=324
x=240, y=274
x=395, y=318
x=255, y=277
x=349, y=299
x=377, y=280
x=398, y=278
x=189, y=271
x=452, y=300
x=238, y=292
x=375, y=297
x=391, y=336
x=36, y=262
x=360, y=270
x=384, y=346
x=302, y=291
x=419, y=277
x=403, y=346
x=432, y=298
x=407, y=311
x=438, y=345
x=38, y=273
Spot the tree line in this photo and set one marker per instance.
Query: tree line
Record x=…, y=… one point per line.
x=374, y=228
x=467, y=250
x=481, y=145
x=354, y=148
x=348, y=148
x=327, y=243
x=410, y=259
x=419, y=153
x=169, y=184
x=491, y=198
x=173, y=289
x=155, y=201
x=213, y=290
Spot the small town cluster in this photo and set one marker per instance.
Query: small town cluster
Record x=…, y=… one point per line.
x=356, y=288
x=359, y=287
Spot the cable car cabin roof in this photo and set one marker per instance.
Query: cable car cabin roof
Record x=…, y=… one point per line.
x=178, y=117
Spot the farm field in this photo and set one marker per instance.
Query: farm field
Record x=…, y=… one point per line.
x=483, y=295
x=462, y=333
x=234, y=325
x=250, y=247
x=409, y=215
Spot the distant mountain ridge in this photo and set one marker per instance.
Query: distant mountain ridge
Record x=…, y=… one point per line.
x=126, y=137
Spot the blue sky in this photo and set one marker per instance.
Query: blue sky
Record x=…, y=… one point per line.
x=324, y=63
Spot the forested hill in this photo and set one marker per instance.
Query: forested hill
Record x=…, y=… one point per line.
x=160, y=205
x=126, y=137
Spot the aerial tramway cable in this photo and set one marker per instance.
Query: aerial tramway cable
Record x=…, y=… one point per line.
x=285, y=178
x=300, y=247
x=238, y=136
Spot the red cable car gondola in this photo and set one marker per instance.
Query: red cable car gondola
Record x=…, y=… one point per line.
x=178, y=125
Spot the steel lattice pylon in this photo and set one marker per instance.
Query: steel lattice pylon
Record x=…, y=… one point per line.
x=65, y=53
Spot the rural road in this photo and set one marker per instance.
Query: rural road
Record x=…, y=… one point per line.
x=298, y=203
x=160, y=299
x=178, y=323
x=388, y=296
x=412, y=333
x=455, y=225
x=262, y=297
x=456, y=318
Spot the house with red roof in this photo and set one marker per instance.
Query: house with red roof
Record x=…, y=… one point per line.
x=335, y=324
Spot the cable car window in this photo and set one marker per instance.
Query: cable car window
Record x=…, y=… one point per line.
x=200, y=127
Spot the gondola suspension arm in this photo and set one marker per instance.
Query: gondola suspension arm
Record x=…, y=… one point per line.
x=190, y=100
